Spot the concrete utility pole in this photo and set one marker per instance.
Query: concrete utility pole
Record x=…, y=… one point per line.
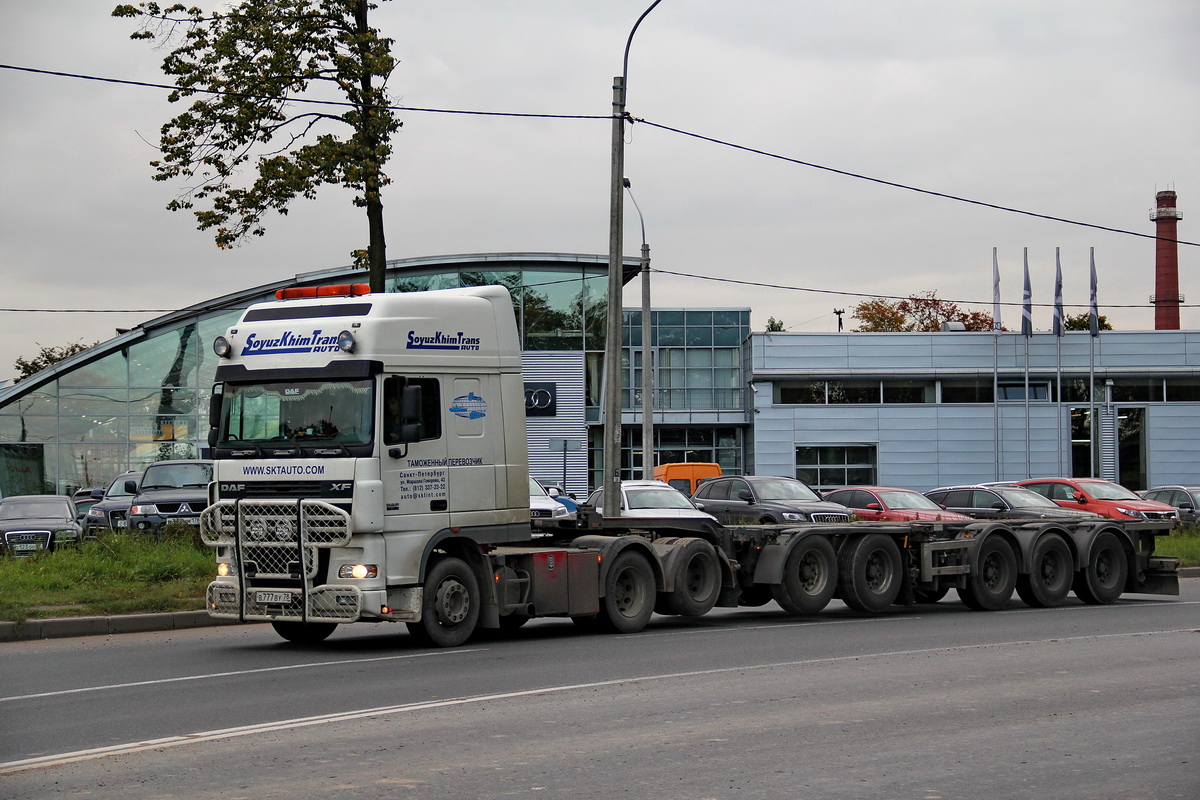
x=612, y=336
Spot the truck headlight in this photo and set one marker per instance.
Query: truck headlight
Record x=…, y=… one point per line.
x=358, y=571
x=226, y=570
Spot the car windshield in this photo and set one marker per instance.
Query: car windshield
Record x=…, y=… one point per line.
x=177, y=476
x=34, y=509
x=1024, y=498
x=535, y=489
x=784, y=490
x=117, y=489
x=908, y=500
x=656, y=498
x=1102, y=490
x=298, y=411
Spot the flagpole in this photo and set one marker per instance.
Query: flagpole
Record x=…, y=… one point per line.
x=1058, y=334
x=996, y=362
x=1094, y=330
x=1027, y=334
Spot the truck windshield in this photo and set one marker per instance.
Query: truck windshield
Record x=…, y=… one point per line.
x=299, y=412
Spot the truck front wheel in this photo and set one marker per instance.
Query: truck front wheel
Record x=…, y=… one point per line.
x=450, y=607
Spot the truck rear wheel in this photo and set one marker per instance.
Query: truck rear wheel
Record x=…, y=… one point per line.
x=990, y=584
x=697, y=579
x=1050, y=573
x=869, y=572
x=303, y=632
x=629, y=594
x=1102, y=580
x=450, y=606
x=809, y=577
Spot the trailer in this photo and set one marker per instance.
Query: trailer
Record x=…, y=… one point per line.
x=370, y=466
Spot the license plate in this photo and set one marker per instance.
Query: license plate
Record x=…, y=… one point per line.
x=121, y=523
x=191, y=521
x=24, y=547
x=273, y=598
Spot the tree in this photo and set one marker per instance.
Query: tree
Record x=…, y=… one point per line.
x=919, y=312
x=246, y=71
x=1083, y=322
x=774, y=325
x=48, y=356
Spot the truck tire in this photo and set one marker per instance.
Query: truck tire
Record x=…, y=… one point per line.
x=629, y=594
x=303, y=632
x=869, y=572
x=1102, y=580
x=450, y=606
x=697, y=579
x=993, y=577
x=810, y=577
x=1050, y=572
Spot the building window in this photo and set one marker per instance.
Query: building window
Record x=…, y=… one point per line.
x=825, y=467
x=1038, y=391
x=1183, y=390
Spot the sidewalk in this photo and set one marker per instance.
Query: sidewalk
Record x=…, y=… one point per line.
x=63, y=627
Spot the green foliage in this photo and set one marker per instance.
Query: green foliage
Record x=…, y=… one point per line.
x=255, y=75
x=774, y=325
x=1083, y=322
x=919, y=312
x=1182, y=543
x=114, y=574
x=48, y=356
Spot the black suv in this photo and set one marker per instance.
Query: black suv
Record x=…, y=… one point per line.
x=170, y=491
x=751, y=499
x=113, y=509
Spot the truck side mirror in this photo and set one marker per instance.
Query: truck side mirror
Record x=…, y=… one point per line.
x=214, y=413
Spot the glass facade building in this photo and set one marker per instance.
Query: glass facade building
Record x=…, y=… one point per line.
x=143, y=396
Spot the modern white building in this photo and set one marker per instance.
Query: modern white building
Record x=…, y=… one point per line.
x=921, y=410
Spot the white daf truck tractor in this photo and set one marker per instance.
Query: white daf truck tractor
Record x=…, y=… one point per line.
x=370, y=466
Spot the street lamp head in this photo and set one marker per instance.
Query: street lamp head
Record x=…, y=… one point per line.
x=626, y=182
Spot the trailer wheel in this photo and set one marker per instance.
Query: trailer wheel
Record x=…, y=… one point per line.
x=990, y=585
x=930, y=595
x=809, y=577
x=1050, y=573
x=869, y=572
x=303, y=632
x=450, y=607
x=697, y=579
x=629, y=593
x=1102, y=580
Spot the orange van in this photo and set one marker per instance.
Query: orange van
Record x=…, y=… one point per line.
x=686, y=476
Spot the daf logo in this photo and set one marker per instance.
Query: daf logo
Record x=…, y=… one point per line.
x=233, y=487
x=540, y=399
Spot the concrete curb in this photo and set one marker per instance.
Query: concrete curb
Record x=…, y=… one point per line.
x=63, y=627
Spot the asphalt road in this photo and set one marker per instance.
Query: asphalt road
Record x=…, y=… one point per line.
x=931, y=702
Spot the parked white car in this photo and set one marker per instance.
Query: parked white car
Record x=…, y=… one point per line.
x=651, y=499
x=542, y=505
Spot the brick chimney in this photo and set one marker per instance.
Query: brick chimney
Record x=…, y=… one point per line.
x=1166, y=298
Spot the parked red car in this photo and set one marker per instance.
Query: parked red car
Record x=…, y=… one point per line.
x=890, y=504
x=1101, y=497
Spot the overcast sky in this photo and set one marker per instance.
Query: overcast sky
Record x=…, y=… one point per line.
x=1080, y=109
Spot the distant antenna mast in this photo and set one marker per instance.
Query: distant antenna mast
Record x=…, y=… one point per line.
x=839, y=312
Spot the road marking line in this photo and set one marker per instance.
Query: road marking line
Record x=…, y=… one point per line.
x=241, y=672
x=7, y=768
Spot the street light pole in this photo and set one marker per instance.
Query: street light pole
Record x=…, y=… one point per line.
x=647, y=353
x=611, y=452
